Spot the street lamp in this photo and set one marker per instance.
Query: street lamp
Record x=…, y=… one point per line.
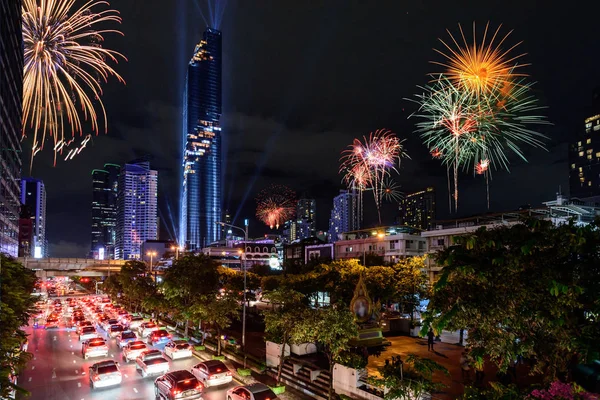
x=177, y=248
x=243, y=254
x=380, y=235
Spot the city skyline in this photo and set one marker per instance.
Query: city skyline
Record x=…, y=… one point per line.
x=288, y=134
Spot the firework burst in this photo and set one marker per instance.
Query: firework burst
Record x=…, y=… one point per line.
x=64, y=64
x=481, y=68
x=366, y=164
x=275, y=205
x=390, y=191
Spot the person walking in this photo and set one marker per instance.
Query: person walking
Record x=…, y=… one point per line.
x=430, y=337
x=465, y=367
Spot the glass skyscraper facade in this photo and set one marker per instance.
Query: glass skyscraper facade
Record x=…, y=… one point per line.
x=201, y=197
x=11, y=100
x=137, y=209
x=33, y=196
x=104, y=211
x=344, y=216
x=417, y=210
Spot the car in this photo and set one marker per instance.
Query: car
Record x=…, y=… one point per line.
x=126, y=337
x=178, y=349
x=105, y=373
x=94, y=348
x=212, y=373
x=158, y=336
x=115, y=330
x=133, y=349
x=146, y=328
x=108, y=323
x=87, y=332
x=176, y=385
x=256, y=391
x=135, y=322
x=152, y=362
x=51, y=322
x=82, y=324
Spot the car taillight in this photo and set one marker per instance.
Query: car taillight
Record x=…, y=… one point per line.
x=212, y=377
x=96, y=378
x=176, y=391
x=229, y=373
x=199, y=386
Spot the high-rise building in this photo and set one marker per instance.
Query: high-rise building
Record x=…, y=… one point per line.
x=306, y=215
x=201, y=197
x=290, y=230
x=11, y=100
x=104, y=211
x=137, y=211
x=33, y=195
x=344, y=216
x=417, y=210
x=584, y=156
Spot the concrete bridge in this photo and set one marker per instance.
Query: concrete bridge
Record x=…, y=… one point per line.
x=47, y=267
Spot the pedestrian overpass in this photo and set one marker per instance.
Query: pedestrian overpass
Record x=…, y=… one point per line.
x=47, y=267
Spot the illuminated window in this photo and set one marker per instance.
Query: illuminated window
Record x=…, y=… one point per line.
x=588, y=141
x=589, y=183
x=597, y=127
x=589, y=157
x=582, y=180
x=578, y=143
x=580, y=169
x=590, y=151
x=581, y=154
x=573, y=165
x=598, y=154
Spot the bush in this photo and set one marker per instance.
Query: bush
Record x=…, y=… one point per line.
x=220, y=358
x=199, y=348
x=244, y=372
x=278, y=389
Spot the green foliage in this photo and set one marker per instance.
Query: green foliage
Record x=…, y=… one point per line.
x=333, y=328
x=529, y=289
x=496, y=391
x=244, y=371
x=16, y=285
x=219, y=311
x=409, y=379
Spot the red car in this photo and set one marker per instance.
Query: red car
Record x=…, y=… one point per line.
x=158, y=336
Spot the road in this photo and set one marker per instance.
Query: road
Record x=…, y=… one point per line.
x=59, y=372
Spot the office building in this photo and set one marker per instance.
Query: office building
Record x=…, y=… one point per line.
x=391, y=243
x=344, y=215
x=137, y=211
x=201, y=197
x=33, y=195
x=584, y=156
x=306, y=217
x=417, y=210
x=104, y=211
x=11, y=100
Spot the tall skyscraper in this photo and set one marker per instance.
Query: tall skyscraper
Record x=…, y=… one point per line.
x=104, y=211
x=26, y=230
x=584, y=157
x=417, y=210
x=137, y=211
x=11, y=100
x=306, y=215
x=201, y=197
x=344, y=216
x=33, y=195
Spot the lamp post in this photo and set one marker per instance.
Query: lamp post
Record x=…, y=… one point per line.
x=176, y=248
x=245, y=230
x=380, y=235
x=151, y=254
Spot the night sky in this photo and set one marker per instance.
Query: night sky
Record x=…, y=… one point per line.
x=301, y=79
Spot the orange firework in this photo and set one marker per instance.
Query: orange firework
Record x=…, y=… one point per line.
x=481, y=68
x=275, y=205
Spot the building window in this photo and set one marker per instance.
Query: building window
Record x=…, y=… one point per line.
x=581, y=154
x=589, y=183
x=440, y=242
x=573, y=165
x=589, y=151
x=582, y=179
x=578, y=143
x=589, y=156
x=588, y=141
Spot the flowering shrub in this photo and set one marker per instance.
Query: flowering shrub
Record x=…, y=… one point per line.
x=562, y=391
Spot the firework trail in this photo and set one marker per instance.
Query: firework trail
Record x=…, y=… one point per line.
x=390, y=191
x=275, y=205
x=64, y=64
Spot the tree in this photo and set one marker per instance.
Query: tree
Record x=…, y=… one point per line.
x=409, y=379
x=410, y=282
x=219, y=311
x=135, y=283
x=333, y=328
x=530, y=289
x=191, y=280
x=281, y=321
x=112, y=286
x=16, y=286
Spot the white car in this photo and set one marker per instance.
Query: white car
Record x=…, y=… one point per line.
x=133, y=350
x=135, y=322
x=147, y=328
x=178, y=349
x=105, y=373
x=87, y=332
x=94, y=348
x=212, y=373
x=256, y=391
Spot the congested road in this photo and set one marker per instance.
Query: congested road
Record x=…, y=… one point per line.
x=58, y=370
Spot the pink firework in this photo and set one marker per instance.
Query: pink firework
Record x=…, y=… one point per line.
x=482, y=167
x=365, y=164
x=275, y=205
